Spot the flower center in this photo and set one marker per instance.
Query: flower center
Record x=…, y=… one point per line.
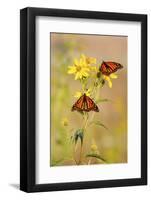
x=78, y=68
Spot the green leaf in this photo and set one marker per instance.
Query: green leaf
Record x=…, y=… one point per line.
x=98, y=124
x=78, y=135
x=94, y=155
x=102, y=100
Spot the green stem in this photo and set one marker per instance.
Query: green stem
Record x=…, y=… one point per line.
x=74, y=155
x=80, y=157
x=86, y=121
x=86, y=116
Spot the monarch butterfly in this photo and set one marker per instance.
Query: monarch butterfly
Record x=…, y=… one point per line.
x=109, y=67
x=85, y=103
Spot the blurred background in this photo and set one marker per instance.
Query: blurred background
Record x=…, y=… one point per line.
x=111, y=143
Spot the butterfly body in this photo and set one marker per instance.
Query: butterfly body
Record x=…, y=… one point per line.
x=109, y=67
x=85, y=103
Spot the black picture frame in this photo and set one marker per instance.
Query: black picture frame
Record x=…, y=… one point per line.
x=28, y=99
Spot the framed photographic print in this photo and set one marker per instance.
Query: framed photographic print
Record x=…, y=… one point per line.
x=83, y=99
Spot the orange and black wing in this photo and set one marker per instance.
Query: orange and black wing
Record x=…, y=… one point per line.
x=85, y=103
x=90, y=105
x=78, y=104
x=109, y=67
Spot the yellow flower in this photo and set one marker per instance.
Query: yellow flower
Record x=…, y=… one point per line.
x=79, y=94
x=89, y=60
x=108, y=78
x=79, y=68
x=94, y=147
x=65, y=122
x=82, y=67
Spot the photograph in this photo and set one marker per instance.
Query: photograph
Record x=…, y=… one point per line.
x=83, y=101
x=88, y=99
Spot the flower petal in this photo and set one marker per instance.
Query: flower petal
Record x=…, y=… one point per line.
x=114, y=76
x=78, y=94
x=83, y=56
x=76, y=62
x=88, y=92
x=110, y=83
x=77, y=76
x=93, y=68
x=71, y=70
x=82, y=63
x=84, y=73
x=107, y=78
x=93, y=60
x=65, y=122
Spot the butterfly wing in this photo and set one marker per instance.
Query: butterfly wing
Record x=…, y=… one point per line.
x=85, y=103
x=109, y=67
x=78, y=104
x=90, y=105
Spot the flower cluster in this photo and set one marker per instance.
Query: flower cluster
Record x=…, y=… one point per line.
x=92, y=77
x=87, y=67
x=83, y=67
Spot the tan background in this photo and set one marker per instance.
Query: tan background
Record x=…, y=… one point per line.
x=113, y=144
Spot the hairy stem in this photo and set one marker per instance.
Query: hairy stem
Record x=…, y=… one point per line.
x=80, y=157
x=86, y=116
